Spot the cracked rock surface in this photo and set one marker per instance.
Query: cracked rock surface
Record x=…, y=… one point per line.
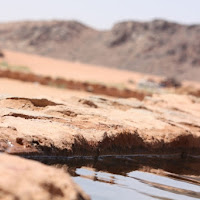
x=95, y=125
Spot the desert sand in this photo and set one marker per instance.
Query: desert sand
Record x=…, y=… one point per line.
x=96, y=79
x=70, y=70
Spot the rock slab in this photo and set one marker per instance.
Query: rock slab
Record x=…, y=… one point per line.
x=95, y=126
x=23, y=179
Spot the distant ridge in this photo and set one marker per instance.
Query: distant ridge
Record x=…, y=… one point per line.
x=157, y=47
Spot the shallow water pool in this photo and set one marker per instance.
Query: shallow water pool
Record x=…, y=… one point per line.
x=135, y=185
x=132, y=177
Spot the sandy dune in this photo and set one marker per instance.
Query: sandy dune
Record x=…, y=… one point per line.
x=71, y=70
x=79, y=71
x=19, y=88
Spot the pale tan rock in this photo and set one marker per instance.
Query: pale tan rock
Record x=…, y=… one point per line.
x=23, y=179
x=160, y=124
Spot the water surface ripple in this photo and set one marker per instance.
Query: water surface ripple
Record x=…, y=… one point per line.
x=135, y=177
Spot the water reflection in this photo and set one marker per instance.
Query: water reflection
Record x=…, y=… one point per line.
x=136, y=185
x=135, y=177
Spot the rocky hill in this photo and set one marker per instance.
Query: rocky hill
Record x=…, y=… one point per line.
x=157, y=47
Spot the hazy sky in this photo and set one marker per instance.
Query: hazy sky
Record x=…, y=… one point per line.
x=101, y=13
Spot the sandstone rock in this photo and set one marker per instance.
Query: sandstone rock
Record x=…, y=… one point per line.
x=170, y=82
x=24, y=180
x=160, y=124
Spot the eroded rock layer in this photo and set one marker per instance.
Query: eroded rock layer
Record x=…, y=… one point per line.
x=96, y=126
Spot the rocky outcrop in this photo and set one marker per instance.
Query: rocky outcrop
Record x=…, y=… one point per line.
x=1, y=54
x=158, y=47
x=162, y=124
x=24, y=179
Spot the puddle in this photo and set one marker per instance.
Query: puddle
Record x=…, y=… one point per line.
x=135, y=185
x=133, y=177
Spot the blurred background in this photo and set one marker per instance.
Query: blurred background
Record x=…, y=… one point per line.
x=145, y=45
